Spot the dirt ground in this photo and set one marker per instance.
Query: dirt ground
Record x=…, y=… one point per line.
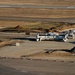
x=37, y=13
x=31, y=47
x=37, y=25
x=41, y=2
x=58, y=55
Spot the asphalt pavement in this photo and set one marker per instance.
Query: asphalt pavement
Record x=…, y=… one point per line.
x=32, y=67
x=6, y=18
x=10, y=71
x=35, y=6
x=70, y=20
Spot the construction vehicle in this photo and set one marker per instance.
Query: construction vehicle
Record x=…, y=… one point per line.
x=63, y=36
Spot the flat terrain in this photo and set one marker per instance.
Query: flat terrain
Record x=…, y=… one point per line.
x=37, y=13
x=33, y=10
x=30, y=46
x=7, y=70
x=41, y=2
x=32, y=67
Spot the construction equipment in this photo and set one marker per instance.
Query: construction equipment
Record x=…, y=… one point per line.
x=64, y=36
x=51, y=36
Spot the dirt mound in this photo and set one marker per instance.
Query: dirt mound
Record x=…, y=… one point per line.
x=60, y=53
x=53, y=54
x=13, y=29
x=63, y=26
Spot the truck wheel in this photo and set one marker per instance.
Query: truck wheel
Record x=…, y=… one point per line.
x=65, y=39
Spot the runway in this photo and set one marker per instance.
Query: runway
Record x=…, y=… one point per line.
x=10, y=18
x=35, y=6
x=32, y=67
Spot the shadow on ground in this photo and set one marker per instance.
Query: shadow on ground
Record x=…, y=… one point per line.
x=72, y=42
x=70, y=51
x=30, y=39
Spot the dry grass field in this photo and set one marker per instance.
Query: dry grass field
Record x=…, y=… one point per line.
x=41, y=2
x=37, y=13
x=37, y=25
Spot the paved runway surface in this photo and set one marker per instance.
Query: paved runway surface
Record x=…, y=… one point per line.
x=35, y=6
x=10, y=71
x=32, y=67
x=70, y=20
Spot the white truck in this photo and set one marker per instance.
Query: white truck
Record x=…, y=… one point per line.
x=51, y=36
